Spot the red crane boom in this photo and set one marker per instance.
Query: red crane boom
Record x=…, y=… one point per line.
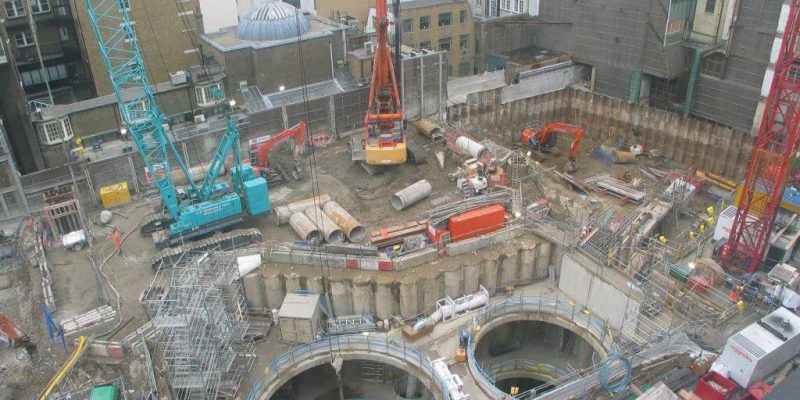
x=384, y=138
x=775, y=147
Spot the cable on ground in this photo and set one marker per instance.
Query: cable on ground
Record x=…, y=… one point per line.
x=609, y=369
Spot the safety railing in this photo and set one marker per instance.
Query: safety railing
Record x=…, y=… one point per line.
x=530, y=367
x=328, y=347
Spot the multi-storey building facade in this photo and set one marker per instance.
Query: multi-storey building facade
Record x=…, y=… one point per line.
x=442, y=25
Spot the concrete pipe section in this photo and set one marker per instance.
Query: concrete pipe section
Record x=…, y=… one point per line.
x=331, y=231
x=530, y=343
x=354, y=231
x=410, y=195
x=361, y=366
x=283, y=213
x=305, y=228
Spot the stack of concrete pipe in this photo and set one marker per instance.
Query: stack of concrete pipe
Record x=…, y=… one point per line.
x=319, y=219
x=283, y=213
x=331, y=231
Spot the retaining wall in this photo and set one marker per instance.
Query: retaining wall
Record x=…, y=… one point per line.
x=405, y=295
x=688, y=141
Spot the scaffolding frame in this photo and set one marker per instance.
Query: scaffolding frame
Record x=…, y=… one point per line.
x=202, y=326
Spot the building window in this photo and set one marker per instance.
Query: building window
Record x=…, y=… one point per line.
x=55, y=132
x=424, y=23
x=445, y=19
x=463, y=69
x=205, y=96
x=463, y=41
x=425, y=45
x=408, y=25
x=124, y=4
x=519, y=6
x=37, y=76
x=713, y=65
x=23, y=38
x=15, y=9
x=444, y=44
x=677, y=17
x=462, y=16
x=39, y=6
x=505, y=5
x=63, y=32
x=711, y=6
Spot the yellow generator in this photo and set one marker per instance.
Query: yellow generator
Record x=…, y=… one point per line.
x=115, y=195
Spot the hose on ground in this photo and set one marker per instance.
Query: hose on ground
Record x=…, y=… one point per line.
x=609, y=369
x=108, y=282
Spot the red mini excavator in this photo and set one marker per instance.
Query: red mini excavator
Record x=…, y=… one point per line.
x=543, y=139
x=264, y=148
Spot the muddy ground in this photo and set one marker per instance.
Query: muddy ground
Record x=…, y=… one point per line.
x=76, y=285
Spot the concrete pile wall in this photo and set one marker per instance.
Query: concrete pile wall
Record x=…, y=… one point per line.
x=688, y=141
x=583, y=281
x=407, y=295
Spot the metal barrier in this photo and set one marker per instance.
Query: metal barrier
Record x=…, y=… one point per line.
x=329, y=347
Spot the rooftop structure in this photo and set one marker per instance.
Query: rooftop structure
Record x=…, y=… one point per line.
x=272, y=20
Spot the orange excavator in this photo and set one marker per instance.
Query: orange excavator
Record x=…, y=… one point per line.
x=543, y=139
x=263, y=148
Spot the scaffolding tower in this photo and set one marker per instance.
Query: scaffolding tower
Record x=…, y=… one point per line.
x=200, y=315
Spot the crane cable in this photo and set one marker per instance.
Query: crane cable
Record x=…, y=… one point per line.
x=315, y=189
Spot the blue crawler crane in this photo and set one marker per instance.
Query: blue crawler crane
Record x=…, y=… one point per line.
x=203, y=210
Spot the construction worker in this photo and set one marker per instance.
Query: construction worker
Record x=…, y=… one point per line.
x=692, y=235
x=117, y=236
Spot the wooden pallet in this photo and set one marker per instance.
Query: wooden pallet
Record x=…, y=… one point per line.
x=395, y=234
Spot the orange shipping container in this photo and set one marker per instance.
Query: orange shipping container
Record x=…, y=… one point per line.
x=476, y=222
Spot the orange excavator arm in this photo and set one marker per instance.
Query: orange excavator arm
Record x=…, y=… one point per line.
x=542, y=137
x=298, y=132
x=10, y=334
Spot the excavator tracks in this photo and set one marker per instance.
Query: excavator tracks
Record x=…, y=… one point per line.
x=224, y=241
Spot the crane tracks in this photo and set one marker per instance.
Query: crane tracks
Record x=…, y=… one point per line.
x=225, y=241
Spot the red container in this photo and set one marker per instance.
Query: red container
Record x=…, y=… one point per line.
x=476, y=222
x=722, y=390
x=434, y=234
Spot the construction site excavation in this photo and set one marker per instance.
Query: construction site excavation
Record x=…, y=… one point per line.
x=399, y=200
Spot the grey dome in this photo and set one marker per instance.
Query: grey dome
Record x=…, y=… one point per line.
x=272, y=20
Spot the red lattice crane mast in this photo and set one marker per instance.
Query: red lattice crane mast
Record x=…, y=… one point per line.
x=384, y=136
x=774, y=149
